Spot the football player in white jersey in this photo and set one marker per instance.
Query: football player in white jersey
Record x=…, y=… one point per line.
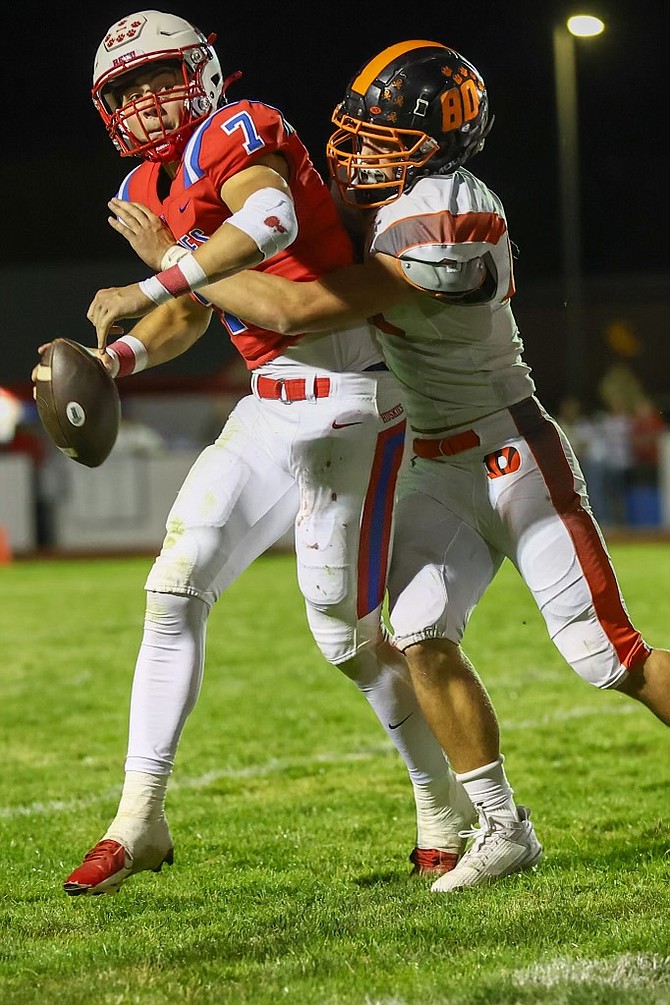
x=491, y=475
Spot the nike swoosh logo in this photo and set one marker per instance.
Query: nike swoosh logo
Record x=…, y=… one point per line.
x=343, y=425
x=184, y=207
x=399, y=723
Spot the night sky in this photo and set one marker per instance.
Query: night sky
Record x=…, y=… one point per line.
x=59, y=167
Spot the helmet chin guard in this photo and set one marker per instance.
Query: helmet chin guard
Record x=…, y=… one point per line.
x=139, y=43
x=417, y=108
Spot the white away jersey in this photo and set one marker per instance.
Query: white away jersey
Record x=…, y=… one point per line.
x=456, y=361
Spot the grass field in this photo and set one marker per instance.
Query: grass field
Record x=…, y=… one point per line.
x=293, y=819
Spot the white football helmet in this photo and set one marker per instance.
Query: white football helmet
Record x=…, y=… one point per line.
x=141, y=39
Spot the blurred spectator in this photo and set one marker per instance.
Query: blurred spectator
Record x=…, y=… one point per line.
x=615, y=426
x=576, y=425
x=647, y=425
x=588, y=436
x=620, y=389
x=602, y=443
x=11, y=411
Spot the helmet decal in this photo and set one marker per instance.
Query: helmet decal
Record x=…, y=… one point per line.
x=459, y=104
x=125, y=30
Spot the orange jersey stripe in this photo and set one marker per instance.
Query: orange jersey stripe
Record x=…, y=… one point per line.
x=441, y=228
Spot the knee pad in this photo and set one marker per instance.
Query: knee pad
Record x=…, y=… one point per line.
x=175, y=616
x=586, y=647
x=340, y=637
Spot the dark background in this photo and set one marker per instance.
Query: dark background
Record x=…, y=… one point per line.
x=59, y=168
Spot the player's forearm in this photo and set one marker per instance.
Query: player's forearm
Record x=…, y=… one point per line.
x=172, y=329
x=227, y=252
x=291, y=308
x=166, y=333
x=277, y=304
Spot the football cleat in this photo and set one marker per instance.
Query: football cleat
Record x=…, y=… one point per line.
x=500, y=846
x=432, y=861
x=109, y=864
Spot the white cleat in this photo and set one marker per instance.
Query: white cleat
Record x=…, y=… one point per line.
x=500, y=846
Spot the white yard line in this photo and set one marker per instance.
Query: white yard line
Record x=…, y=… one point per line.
x=273, y=767
x=276, y=767
x=626, y=972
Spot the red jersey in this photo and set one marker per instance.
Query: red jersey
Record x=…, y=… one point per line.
x=229, y=141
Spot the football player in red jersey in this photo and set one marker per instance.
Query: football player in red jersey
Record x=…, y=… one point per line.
x=492, y=476
x=224, y=187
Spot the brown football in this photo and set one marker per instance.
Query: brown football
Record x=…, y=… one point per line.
x=77, y=401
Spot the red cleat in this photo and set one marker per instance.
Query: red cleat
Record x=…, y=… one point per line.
x=103, y=870
x=106, y=867
x=432, y=862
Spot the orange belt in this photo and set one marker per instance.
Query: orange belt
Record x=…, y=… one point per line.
x=447, y=446
x=294, y=389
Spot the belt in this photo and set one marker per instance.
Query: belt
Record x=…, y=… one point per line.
x=292, y=389
x=447, y=446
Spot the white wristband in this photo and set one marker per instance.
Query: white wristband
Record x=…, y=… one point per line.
x=184, y=277
x=128, y=354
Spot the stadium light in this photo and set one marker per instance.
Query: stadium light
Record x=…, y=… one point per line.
x=565, y=77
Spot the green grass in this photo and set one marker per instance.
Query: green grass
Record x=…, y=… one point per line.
x=293, y=818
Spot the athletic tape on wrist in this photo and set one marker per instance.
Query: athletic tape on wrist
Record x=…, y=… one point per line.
x=129, y=355
x=184, y=277
x=268, y=218
x=174, y=254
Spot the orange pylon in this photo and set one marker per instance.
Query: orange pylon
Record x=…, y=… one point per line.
x=5, y=546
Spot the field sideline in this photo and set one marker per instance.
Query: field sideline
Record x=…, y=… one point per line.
x=293, y=820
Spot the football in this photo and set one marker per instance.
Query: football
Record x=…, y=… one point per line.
x=77, y=402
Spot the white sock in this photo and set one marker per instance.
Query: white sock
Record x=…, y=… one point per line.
x=380, y=672
x=142, y=801
x=143, y=795
x=443, y=808
x=489, y=789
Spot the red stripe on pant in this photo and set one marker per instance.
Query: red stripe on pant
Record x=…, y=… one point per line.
x=375, y=538
x=545, y=444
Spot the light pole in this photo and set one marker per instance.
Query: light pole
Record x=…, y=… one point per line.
x=565, y=76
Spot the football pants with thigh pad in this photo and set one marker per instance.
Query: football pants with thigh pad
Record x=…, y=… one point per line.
x=235, y=502
x=343, y=529
x=561, y=556
x=440, y=568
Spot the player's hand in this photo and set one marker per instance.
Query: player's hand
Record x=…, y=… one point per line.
x=145, y=232
x=103, y=356
x=41, y=349
x=109, y=306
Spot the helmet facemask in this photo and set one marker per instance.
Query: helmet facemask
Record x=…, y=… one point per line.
x=169, y=145
x=371, y=164
x=136, y=46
